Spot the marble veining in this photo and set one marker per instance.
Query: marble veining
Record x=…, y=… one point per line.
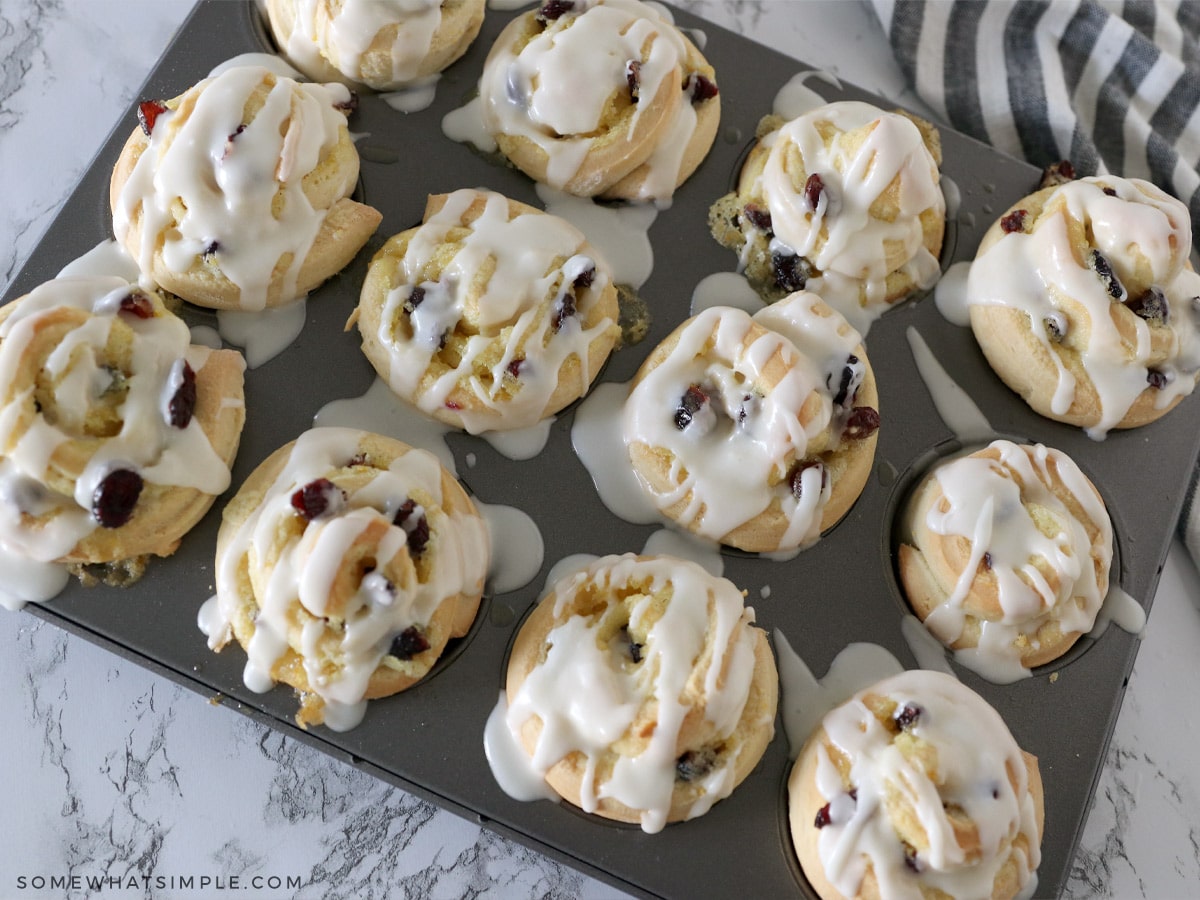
x=115, y=772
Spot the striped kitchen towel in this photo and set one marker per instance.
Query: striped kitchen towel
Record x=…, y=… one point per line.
x=1114, y=87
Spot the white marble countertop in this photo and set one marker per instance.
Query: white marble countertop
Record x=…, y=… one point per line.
x=117, y=773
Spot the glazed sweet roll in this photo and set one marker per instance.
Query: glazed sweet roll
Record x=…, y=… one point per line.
x=116, y=432
x=755, y=431
x=382, y=44
x=236, y=194
x=1082, y=299
x=491, y=315
x=1007, y=555
x=345, y=563
x=600, y=98
x=642, y=690
x=845, y=200
x=916, y=788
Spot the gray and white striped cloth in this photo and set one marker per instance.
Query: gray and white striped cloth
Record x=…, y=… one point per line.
x=1111, y=86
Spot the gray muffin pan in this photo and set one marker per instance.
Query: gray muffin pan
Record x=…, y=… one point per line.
x=429, y=740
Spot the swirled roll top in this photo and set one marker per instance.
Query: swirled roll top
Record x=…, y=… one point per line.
x=916, y=788
x=641, y=690
x=116, y=432
x=235, y=195
x=344, y=565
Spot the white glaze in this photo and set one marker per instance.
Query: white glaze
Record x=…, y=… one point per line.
x=265, y=333
x=1122, y=610
x=517, y=547
x=725, y=289
x=598, y=442
x=107, y=258
x=511, y=766
x=950, y=294
x=795, y=98
x=620, y=233
x=953, y=404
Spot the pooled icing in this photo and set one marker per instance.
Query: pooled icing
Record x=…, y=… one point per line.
x=976, y=757
x=206, y=179
x=586, y=701
x=1040, y=274
x=34, y=481
x=988, y=502
x=732, y=466
x=292, y=575
x=530, y=257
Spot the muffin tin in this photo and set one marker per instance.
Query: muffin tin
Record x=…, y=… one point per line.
x=429, y=739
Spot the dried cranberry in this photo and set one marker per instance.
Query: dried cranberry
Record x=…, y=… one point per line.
x=862, y=423
x=1109, y=191
x=349, y=105
x=563, y=310
x=1056, y=327
x=911, y=860
x=700, y=87
x=822, y=819
x=138, y=305
x=210, y=250
x=747, y=407
x=554, y=9
x=632, y=647
x=757, y=216
x=987, y=561
x=415, y=297
x=115, y=497
x=791, y=271
x=813, y=188
x=148, y=113
x=415, y=528
x=633, y=77
x=1151, y=306
x=450, y=404
x=1014, y=221
x=183, y=403
x=1103, y=269
x=695, y=764
x=514, y=367
x=317, y=498
x=845, y=382
x=408, y=643
x=690, y=403
x=1157, y=379
x=907, y=715
x=1057, y=173
x=796, y=479
x=584, y=279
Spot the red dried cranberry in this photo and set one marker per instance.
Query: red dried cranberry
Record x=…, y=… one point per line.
x=822, y=819
x=514, y=368
x=695, y=764
x=1151, y=306
x=148, y=113
x=317, y=498
x=700, y=87
x=563, y=310
x=181, y=406
x=1014, y=221
x=115, y=497
x=690, y=403
x=791, y=271
x=1057, y=173
x=813, y=188
x=862, y=423
x=1109, y=191
x=757, y=216
x=1103, y=269
x=1157, y=379
x=416, y=527
x=415, y=298
x=584, y=279
x=796, y=479
x=451, y=404
x=554, y=9
x=907, y=715
x=138, y=305
x=911, y=860
x=633, y=77
x=408, y=643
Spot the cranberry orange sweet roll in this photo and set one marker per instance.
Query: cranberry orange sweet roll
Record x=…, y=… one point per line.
x=600, y=97
x=491, y=315
x=1007, y=556
x=236, y=194
x=916, y=788
x=116, y=432
x=1082, y=299
x=345, y=564
x=642, y=690
x=382, y=45
x=844, y=200
x=755, y=431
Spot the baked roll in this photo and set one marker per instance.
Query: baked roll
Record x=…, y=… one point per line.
x=116, y=432
x=1082, y=299
x=380, y=44
x=755, y=431
x=641, y=689
x=916, y=788
x=491, y=315
x=845, y=201
x=236, y=194
x=345, y=563
x=1006, y=556
x=600, y=98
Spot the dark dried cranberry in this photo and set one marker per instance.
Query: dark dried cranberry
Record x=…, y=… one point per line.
x=862, y=423
x=563, y=310
x=349, y=105
x=317, y=498
x=757, y=216
x=232, y=137
x=1103, y=269
x=632, y=647
x=1151, y=306
x=181, y=406
x=514, y=367
x=695, y=764
x=211, y=250
x=1014, y=221
x=148, y=113
x=415, y=297
x=791, y=271
x=822, y=819
x=1157, y=379
x=554, y=9
x=408, y=643
x=813, y=188
x=746, y=408
x=700, y=87
x=138, y=305
x=633, y=77
x=416, y=528
x=907, y=715
x=987, y=561
x=690, y=403
x=115, y=497
x=911, y=860
x=845, y=382
x=584, y=279
x=796, y=479
x=1057, y=173
x=1056, y=327
x=1109, y=191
